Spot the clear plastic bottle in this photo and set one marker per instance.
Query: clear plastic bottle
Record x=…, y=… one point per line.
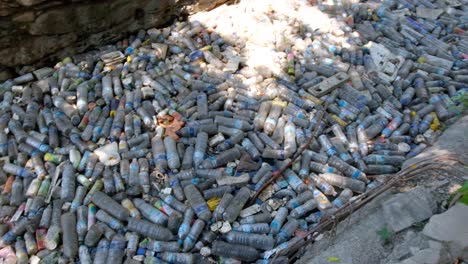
x=279, y=219
x=173, y=159
x=384, y=160
x=261, y=116
x=257, y=218
x=223, y=204
x=340, y=134
x=343, y=198
x=272, y=118
x=187, y=159
x=150, y=230
x=93, y=235
x=347, y=169
x=132, y=243
x=128, y=204
x=102, y=251
x=229, y=250
x=82, y=222
x=237, y=203
x=111, y=221
x=84, y=255
x=376, y=128
x=200, y=148
x=251, y=149
x=149, y=212
x=197, y=202
x=233, y=123
x=303, y=209
x=381, y=169
x=70, y=236
x=344, y=182
x=287, y=230
x=202, y=105
x=183, y=258
x=116, y=249
x=290, y=145
x=222, y=158
x=184, y=228
x=17, y=170
x=163, y=246
x=256, y=228
x=327, y=145
x=324, y=186
x=193, y=235
x=159, y=154
x=294, y=181
x=391, y=127
x=108, y=204
x=258, y=241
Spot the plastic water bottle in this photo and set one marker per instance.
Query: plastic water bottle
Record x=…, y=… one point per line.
x=257, y=218
x=223, y=204
x=150, y=230
x=69, y=236
x=197, y=202
x=327, y=145
x=344, y=182
x=200, y=148
x=151, y=213
x=173, y=159
x=294, y=181
x=347, y=169
x=193, y=235
x=108, y=204
x=258, y=241
x=272, y=118
x=261, y=116
x=237, y=203
x=287, y=230
x=303, y=209
x=159, y=153
x=229, y=250
x=184, y=228
x=256, y=228
x=300, y=199
x=343, y=198
x=222, y=158
x=384, y=160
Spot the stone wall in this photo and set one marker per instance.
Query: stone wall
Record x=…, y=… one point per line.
x=35, y=31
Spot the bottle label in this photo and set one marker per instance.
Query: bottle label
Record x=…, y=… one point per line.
x=200, y=208
x=356, y=174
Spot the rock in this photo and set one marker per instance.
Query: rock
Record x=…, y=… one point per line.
x=450, y=227
x=52, y=29
x=405, y=209
x=24, y=17
x=435, y=254
x=356, y=239
x=30, y=49
x=5, y=74
x=30, y=2
x=440, y=184
x=5, y=10
x=402, y=250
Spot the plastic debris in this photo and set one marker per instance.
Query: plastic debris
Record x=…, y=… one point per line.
x=151, y=149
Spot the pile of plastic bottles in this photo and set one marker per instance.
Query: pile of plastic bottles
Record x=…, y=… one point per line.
x=149, y=150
